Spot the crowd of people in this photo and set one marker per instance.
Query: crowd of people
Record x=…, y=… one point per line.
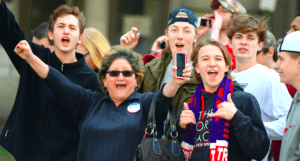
x=81, y=99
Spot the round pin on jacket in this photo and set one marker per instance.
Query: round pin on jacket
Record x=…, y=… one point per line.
x=133, y=108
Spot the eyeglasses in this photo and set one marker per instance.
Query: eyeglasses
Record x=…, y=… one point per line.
x=125, y=73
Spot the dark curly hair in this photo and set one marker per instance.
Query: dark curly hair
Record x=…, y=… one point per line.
x=226, y=55
x=66, y=10
x=117, y=52
x=244, y=23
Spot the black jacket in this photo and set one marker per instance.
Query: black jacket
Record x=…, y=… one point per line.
x=248, y=138
x=107, y=132
x=38, y=128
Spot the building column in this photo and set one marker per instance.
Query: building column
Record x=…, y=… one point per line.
x=97, y=15
x=282, y=18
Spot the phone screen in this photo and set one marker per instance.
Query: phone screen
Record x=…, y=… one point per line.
x=180, y=63
x=203, y=22
x=162, y=45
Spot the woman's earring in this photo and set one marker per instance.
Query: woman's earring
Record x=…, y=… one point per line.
x=104, y=89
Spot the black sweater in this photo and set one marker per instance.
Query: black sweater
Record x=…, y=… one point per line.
x=107, y=132
x=38, y=128
x=248, y=138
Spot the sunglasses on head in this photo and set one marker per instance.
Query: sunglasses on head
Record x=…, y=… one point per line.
x=125, y=73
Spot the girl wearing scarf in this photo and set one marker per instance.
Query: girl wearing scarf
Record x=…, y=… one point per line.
x=221, y=121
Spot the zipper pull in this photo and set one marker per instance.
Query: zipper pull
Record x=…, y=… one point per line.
x=62, y=67
x=6, y=132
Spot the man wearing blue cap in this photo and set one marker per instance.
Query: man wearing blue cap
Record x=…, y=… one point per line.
x=181, y=36
x=288, y=66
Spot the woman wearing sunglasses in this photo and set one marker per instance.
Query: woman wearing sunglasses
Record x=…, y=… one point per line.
x=221, y=122
x=111, y=124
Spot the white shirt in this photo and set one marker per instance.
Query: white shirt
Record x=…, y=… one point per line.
x=272, y=96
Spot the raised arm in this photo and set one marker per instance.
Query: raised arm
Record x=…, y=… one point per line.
x=216, y=27
x=130, y=39
x=11, y=34
x=172, y=86
x=71, y=96
x=24, y=51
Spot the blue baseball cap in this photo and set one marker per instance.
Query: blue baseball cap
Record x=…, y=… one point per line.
x=290, y=43
x=191, y=17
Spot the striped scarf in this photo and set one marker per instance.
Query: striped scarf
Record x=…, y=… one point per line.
x=219, y=133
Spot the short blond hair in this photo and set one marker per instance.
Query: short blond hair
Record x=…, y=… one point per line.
x=96, y=44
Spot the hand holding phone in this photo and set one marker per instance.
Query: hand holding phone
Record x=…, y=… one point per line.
x=203, y=21
x=180, y=62
x=162, y=45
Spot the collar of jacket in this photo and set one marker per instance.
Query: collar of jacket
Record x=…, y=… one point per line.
x=75, y=66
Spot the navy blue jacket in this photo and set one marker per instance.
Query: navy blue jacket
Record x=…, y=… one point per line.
x=248, y=138
x=107, y=132
x=38, y=128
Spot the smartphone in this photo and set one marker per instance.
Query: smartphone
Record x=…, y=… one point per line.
x=203, y=21
x=180, y=62
x=162, y=45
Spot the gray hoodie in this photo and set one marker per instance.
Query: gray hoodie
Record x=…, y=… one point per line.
x=290, y=146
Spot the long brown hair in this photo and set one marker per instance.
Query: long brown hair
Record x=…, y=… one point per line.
x=244, y=23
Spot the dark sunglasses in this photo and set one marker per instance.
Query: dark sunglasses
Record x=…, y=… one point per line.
x=125, y=73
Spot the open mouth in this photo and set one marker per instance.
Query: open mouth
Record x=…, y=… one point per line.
x=179, y=45
x=65, y=40
x=212, y=74
x=120, y=86
x=242, y=50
